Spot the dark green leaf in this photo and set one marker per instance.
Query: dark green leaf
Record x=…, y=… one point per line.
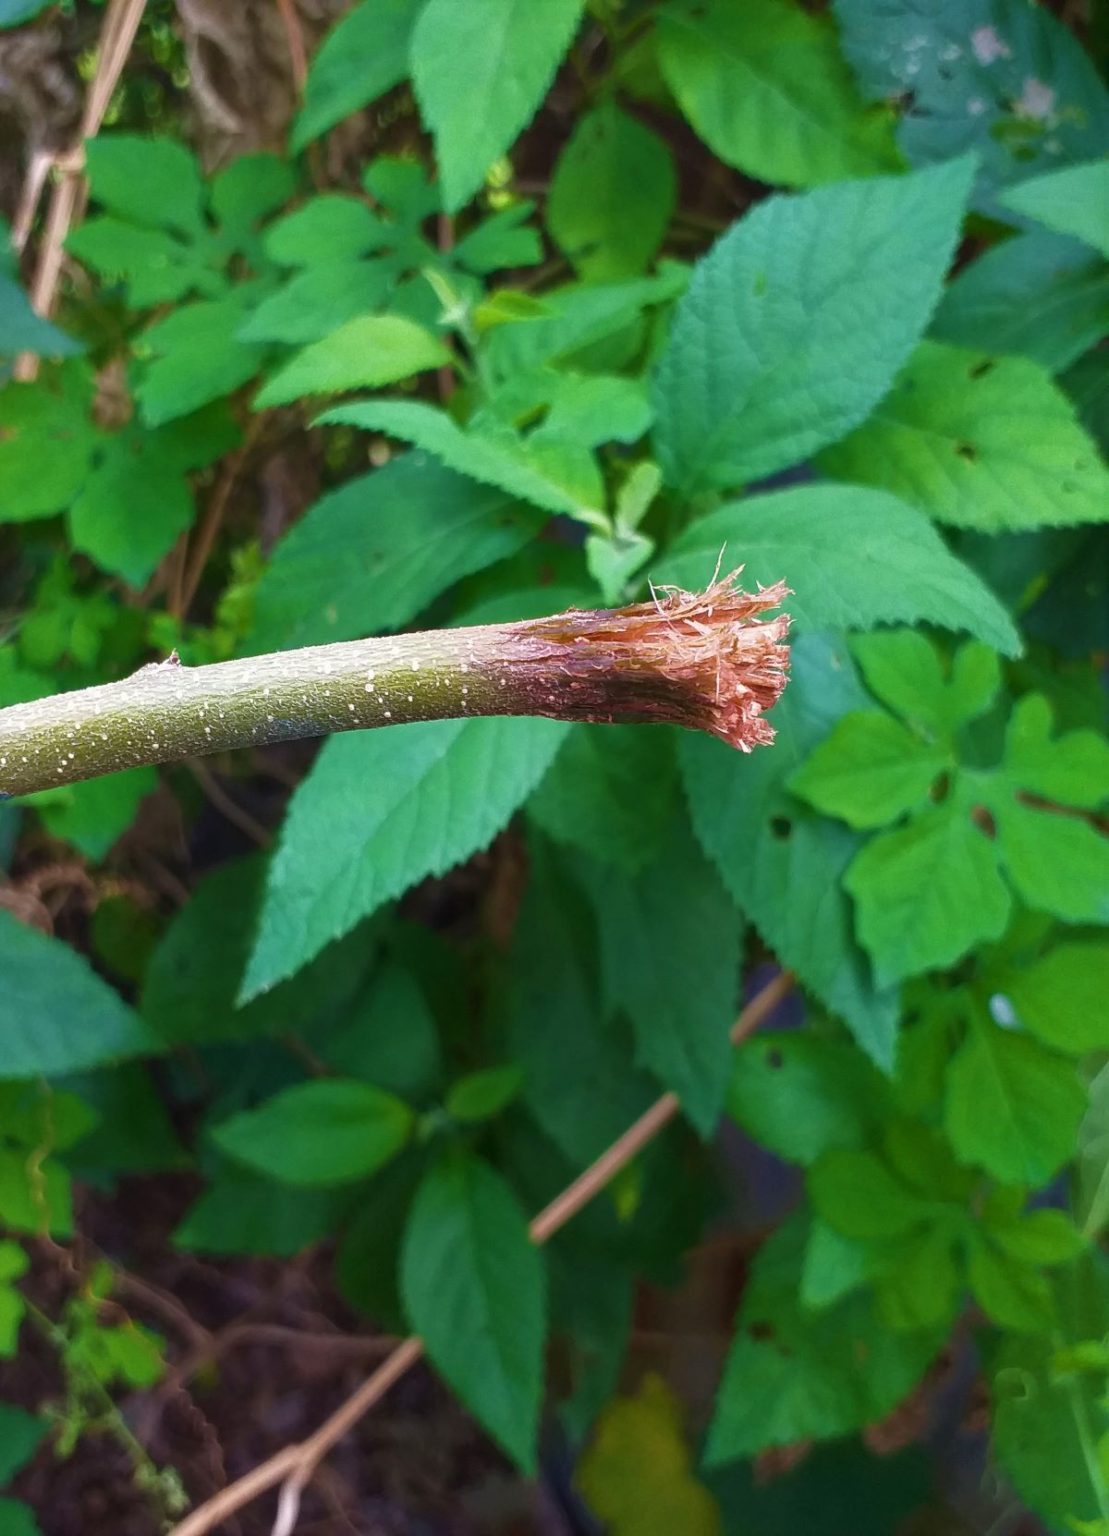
x=800, y=1095
x=364, y=55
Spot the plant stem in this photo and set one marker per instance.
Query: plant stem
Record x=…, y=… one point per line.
x=707, y=661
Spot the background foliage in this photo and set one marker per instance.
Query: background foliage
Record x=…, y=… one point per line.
x=615, y=287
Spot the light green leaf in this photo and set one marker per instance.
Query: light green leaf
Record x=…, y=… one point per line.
x=1058, y=863
x=904, y=669
x=499, y=458
x=373, y=553
x=767, y=360
x=981, y=442
x=793, y=1375
x=801, y=1095
x=669, y=941
x=57, y=1015
x=782, y=863
x=159, y=265
x=244, y=193
x=46, y=441
x=333, y=227
x=155, y=182
x=1072, y=769
x=1013, y=1107
x=834, y=1266
x=1062, y=996
x=1073, y=200
x=480, y=73
x=475, y=1291
x=481, y=1095
x=927, y=892
x=870, y=771
x=93, y=815
x=856, y=1194
x=852, y=558
x=195, y=357
x=612, y=194
x=610, y=792
x=500, y=241
x=366, y=352
x=765, y=85
x=381, y=810
x=1041, y=295
x=364, y=55
x=329, y=1131
x=1038, y=1237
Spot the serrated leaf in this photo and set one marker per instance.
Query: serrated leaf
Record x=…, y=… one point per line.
x=1061, y=996
x=480, y=74
x=364, y=55
x=793, y=1374
x=57, y=1015
x=332, y=227
x=982, y=442
x=196, y=357
x=669, y=940
x=474, y=1289
x=767, y=359
x=870, y=771
x=373, y=553
x=159, y=265
x=366, y=352
x=609, y=792
x=927, y=892
x=150, y=181
x=765, y=85
x=502, y=240
x=612, y=194
x=782, y=863
x=499, y=458
x=330, y=1131
x=1073, y=201
x=381, y=810
x=1041, y=295
x=317, y=301
x=1013, y=1107
x=1001, y=77
x=853, y=558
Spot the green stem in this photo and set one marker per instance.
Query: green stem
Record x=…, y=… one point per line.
x=707, y=662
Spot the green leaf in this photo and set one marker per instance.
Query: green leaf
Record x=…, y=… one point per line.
x=189, y=993
x=333, y=227
x=767, y=360
x=13, y=1264
x=364, y=55
x=388, y=1035
x=94, y=815
x=1041, y=295
x=834, y=1266
x=853, y=558
x=1061, y=996
x=195, y=358
x=981, y=442
x=1013, y=1107
x=870, y=771
x=22, y=330
x=782, y=863
x=46, y=442
x=794, y=1375
x=244, y=192
x=474, y=1289
x=20, y=1436
x=136, y=499
x=1056, y=863
x=159, y=266
x=802, y=1095
x=154, y=182
x=57, y=1015
x=373, y=553
x=927, y=892
x=14, y=12
x=555, y=1015
x=317, y=301
x=612, y=194
x=610, y=792
x=499, y=241
x=239, y=1212
x=1001, y=77
x=367, y=1261
x=17, y=1518
x=669, y=941
x=1073, y=768
x=364, y=353
x=381, y=810
x=904, y=669
x=765, y=85
x=1038, y=1237
x=326, y=1132
x=480, y=75
x=1092, y=1195
x=35, y=1193
x=857, y=1195
x=1072, y=201
x=499, y=458
x=481, y=1095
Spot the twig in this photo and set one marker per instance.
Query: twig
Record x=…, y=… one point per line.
x=229, y=808
x=298, y=58
x=212, y=521
x=709, y=661
x=294, y=1466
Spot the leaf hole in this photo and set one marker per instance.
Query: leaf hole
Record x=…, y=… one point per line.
x=775, y=1060
x=940, y=788
x=781, y=827
x=982, y=818
x=979, y=370
x=967, y=451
